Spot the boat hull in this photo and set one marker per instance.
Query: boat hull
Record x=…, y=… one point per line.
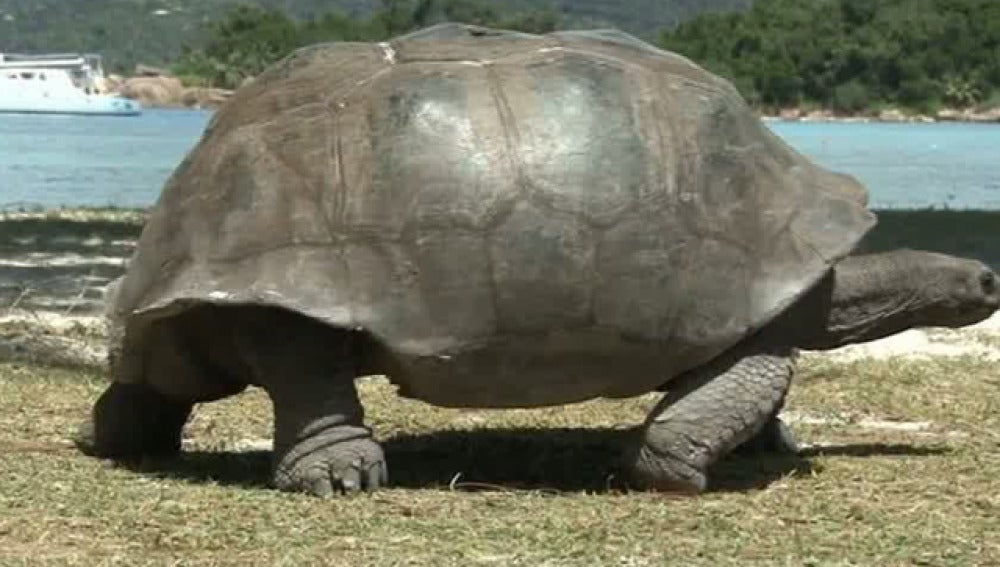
x=100, y=105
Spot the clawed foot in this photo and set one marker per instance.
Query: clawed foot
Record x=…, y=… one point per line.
x=649, y=470
x=339, y=468
x=662, y=470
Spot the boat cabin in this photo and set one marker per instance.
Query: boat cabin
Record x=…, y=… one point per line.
x=60, y=83
x=85, y=70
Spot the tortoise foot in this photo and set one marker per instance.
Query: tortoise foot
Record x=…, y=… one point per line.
x=133, y=420
x=326, y=467
x=648, y=470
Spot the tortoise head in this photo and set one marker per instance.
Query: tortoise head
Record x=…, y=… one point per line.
x=953, y=292
x=868, y=297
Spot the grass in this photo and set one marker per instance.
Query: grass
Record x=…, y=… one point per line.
x=536, y=486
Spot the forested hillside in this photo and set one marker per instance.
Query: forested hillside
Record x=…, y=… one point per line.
x=849, y=55
x=154, y=31
x=853, y=55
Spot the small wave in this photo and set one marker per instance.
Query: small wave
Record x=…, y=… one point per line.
x=55, y=260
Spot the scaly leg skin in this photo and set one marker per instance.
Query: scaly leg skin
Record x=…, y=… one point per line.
x=321, y=445
x=775, y=438
x=133, y=420
x=704, y=417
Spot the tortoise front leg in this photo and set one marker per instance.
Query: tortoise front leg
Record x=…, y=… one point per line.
x=774, y=437
x=321, y=445
x=133, y=420
x=706, y=415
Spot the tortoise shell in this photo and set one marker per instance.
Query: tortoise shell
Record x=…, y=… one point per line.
x=516, y=219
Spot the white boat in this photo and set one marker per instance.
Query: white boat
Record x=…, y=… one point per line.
x=58, y=84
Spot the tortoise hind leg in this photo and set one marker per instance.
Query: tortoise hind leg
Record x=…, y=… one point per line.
x=133, y=420
x=710, y=412
x=187, y=359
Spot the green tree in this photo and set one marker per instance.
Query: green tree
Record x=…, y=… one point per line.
x=852, y=54
x=248, y=39
x=241, y=45
x=400, y=16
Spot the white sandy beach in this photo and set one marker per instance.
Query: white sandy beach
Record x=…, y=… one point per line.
x=982, y=339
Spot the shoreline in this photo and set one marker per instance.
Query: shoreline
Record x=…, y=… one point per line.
x=204, y=98
x=86, y=213
x=888, y=116
x=158, y=89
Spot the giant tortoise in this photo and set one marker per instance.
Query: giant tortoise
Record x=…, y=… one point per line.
x=498, y=219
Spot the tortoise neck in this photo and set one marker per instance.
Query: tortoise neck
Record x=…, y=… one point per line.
x=863, y=298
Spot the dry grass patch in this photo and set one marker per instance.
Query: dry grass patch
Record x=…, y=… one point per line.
x=865, y=496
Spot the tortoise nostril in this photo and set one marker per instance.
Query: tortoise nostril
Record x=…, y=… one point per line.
x=989, y=282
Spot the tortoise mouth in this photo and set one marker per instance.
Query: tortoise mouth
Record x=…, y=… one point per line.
x=974, y=313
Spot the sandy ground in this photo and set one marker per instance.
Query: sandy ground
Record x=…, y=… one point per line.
x=982, y=339
x=53, y=338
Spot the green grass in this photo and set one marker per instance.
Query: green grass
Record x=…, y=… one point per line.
x=536, y=487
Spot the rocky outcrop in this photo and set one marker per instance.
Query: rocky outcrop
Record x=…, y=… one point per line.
x=205, y=97
x=970, y=115
x=142, y=70
x=790, y=113
x=153, y=88
x=153, y=91
x=825, y=115
x=897, y=115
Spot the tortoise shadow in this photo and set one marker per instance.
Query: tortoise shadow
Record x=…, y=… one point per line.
x=872, y=450
x=557, y=460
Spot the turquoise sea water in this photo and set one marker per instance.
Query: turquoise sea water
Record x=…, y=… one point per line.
x=905, y=166
x=50, y=161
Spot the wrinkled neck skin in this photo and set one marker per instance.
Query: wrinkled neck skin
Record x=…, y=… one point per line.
x=873, y=296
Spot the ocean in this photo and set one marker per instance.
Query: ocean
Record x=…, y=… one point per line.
x=71, y=161
x=49, y=161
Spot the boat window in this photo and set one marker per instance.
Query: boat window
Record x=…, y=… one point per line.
x=41, y=76
x=27, y=75
x=11, y=75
